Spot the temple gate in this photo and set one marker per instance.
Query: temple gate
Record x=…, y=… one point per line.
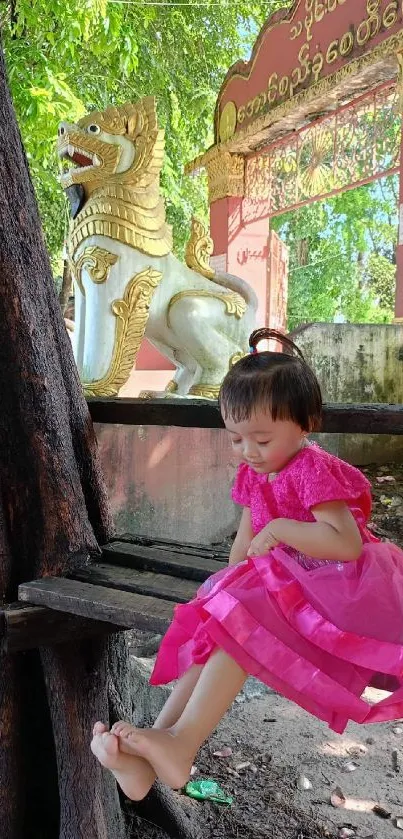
x=316, y=111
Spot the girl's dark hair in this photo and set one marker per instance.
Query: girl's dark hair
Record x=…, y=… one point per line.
x=281, y=382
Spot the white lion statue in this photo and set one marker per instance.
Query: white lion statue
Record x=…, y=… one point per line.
x=128, y=284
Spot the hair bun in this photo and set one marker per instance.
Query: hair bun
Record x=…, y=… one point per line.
x=266, y=334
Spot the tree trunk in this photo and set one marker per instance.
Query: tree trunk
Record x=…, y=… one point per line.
x=66, y=287
x=53, y=514
x=77, y=681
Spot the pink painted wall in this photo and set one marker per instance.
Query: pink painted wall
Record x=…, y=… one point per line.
x=153, y=372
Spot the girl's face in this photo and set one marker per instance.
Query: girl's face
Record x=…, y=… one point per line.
x=263, y=444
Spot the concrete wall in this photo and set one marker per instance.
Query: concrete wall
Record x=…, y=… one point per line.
x=175, y=483
x=172, y=483
x=357, y=363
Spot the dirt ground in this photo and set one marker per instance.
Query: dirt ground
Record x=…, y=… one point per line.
x=280, y=744
x=275, y=745
x=387, y=493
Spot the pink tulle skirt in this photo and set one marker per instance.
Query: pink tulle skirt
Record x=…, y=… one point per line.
x=318, y=637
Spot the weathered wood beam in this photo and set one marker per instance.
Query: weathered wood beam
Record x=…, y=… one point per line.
x=121, y=608
x=214, y=551
x=25, y=627
x=197, y=413
x=162, y=562
x=140, y=582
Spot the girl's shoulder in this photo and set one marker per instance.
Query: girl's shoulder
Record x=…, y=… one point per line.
x=316, y=459
x=319, y=476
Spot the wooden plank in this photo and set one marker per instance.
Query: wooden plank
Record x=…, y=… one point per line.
x=209, y=551
x=122, y=608
x=189, y=552
x=372, y=418
x=26, y=627
x=141, y=582
x=162, y=562
x=189, y=413
x=363, y=419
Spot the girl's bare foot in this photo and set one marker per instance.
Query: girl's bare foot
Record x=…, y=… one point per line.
x=134, y=775
x=166, y=751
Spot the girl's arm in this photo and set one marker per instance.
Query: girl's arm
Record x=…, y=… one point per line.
x=334, y=535
x=240, y=547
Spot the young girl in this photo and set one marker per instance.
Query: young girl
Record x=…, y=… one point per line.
x=311, y=604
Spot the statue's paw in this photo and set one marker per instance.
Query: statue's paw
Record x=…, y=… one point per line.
x=150, y=394
x=157, y=394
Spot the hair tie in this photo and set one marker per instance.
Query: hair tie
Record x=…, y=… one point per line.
x=267, y=334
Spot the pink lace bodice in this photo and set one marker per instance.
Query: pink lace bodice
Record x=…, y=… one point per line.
x=312, y=477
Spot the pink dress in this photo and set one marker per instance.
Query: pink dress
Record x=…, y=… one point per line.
x=317, y=632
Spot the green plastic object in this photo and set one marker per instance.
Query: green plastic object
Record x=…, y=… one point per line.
x=207, y=791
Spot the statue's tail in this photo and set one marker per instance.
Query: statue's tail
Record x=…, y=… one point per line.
x=241, y=287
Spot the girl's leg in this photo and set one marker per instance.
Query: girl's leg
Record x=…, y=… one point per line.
x=171, y=751
x=134, y=775
x=178, y=699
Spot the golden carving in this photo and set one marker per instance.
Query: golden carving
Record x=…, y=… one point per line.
x=329, y=154
x=98, y=263
x=233, y=302
x=228, y=120
x=236, y=357
x=131, y=318
x=171, y=387
x=205, y=391
x=225, y=176
x=148, y=394
x=121, y=182
x=311, y=67
x=199, y=249
x=316, y=172
x=110, y=212
x=304, y=98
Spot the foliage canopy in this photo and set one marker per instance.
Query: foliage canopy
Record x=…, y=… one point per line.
x=65, y=59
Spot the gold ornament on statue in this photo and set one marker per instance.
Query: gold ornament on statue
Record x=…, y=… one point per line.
x=199, y=249
x=205, y=391
x=97, y=262
x=131, y=318
x=124, y=205
x=236, y=357
x=233, y=302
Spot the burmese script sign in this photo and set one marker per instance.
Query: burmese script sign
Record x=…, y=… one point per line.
x=305, y=50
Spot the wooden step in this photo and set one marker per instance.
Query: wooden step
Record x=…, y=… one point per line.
x=142, y=582
x=122, y=608
x=163, y=562
x=217, y=552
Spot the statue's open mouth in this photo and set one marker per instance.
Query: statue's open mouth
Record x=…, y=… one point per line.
x=78, y=157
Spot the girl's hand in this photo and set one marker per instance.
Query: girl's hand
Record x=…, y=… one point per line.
x=262, y=543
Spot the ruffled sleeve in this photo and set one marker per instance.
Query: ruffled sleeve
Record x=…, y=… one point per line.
x=241, y=491
x=324, y=477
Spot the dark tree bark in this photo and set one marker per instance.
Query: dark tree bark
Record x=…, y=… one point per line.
x=77, y=680
x=65, y=290
x=53, y=514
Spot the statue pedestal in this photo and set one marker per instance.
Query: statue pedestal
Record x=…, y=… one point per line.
x=150, y=380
